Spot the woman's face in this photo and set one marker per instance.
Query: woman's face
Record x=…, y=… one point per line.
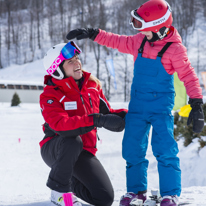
x=73, y=68
x=148, y=34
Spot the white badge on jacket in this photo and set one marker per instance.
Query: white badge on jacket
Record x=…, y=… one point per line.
x=70, y=105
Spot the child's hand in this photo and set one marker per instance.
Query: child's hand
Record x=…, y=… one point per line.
x=83, y=33
x=196, y=115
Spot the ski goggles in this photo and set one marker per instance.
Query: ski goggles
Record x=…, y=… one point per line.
x=67, y=52
x=138, y=23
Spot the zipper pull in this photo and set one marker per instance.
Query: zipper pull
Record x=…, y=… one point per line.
x=82, y=99
x=90, y=100
x=98, y=137
x=85, y=109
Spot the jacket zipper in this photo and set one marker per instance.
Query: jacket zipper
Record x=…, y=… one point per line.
x=83, y=103
x=90, y=101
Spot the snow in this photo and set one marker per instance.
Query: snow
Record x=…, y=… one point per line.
x=23, y=173
x=24, y=73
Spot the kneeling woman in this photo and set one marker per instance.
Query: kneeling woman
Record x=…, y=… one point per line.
x=73, y=106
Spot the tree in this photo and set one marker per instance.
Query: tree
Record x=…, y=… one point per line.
x=183, y=131
x=15, y=100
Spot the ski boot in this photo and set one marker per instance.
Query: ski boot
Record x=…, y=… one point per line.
x=63, y=199
x=132, y=199
x=154, y=199
x=169, y=201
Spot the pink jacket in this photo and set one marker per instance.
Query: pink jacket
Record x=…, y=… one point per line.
x=174, y=59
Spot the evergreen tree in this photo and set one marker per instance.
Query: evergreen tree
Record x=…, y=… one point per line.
x=181, y=130
x=15, y=100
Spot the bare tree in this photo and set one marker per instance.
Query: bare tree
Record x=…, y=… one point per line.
x=40, y=23
x=1, y=23
x=38, y=9
x=31, y=25
x=99, y=20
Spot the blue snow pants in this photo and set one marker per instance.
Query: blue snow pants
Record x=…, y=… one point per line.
x=152, y=100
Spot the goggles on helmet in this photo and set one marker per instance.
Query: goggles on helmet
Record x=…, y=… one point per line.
x=67, y=52
x=139, y=24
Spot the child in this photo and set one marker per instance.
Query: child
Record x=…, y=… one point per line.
x=158, y=53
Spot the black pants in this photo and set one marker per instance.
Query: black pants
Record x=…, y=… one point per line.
x=76, y=170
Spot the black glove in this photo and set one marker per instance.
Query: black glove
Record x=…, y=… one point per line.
x=83, y=33
x=111, y=122
x=121, y=114
x=196, y=115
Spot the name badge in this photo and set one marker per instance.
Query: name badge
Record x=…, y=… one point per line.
x=70, y=105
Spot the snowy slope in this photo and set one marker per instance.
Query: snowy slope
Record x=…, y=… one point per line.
x=23, y=174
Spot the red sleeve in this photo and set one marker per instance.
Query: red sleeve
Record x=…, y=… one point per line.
x=59, y=121
x=186, y=73
x=105, y=107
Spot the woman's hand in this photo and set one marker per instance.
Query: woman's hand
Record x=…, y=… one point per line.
x=111, y=122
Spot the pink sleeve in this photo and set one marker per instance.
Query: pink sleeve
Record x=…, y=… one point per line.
x=124, y=44
x=186, y=73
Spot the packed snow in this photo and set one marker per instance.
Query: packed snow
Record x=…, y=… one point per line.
x=23, y=173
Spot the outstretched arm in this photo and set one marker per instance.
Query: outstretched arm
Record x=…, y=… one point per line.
x=123, y=43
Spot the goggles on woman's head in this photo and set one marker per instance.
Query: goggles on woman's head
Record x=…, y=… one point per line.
x=67, y=52
x=70, y=49
x=139, y=24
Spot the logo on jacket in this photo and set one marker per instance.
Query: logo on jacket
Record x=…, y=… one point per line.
x=50, y=101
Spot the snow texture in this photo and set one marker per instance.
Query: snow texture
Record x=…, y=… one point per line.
x=23, y=173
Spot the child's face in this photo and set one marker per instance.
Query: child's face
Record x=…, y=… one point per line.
x=148, y=34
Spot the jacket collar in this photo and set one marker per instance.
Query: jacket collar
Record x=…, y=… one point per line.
x=173, y=36
x=67, y=84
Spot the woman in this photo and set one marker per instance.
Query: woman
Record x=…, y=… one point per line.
x=73, y=106
x=158, y=53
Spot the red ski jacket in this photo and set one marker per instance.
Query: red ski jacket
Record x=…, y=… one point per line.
x=65, y=109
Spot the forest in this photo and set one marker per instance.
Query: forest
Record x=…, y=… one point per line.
x=29, y=27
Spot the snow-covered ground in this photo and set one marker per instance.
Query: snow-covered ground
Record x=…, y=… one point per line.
x=23, y=173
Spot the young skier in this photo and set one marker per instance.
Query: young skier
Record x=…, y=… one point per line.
x=158, y=53
x=73, y=105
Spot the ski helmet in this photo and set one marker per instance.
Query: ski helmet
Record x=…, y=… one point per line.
x=152, y=16
x=56, y=55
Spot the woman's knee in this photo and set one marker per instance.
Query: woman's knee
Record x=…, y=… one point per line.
x=106, y=198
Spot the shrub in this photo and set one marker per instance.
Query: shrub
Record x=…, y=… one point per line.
x=181, y=130
x=15, y=100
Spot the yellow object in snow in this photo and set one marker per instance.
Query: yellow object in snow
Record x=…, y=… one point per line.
x=180, y=91
x=185, y=111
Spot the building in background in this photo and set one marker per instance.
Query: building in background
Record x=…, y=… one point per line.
x=28, y=91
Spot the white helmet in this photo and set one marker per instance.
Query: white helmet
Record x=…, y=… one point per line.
x=55, y=56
